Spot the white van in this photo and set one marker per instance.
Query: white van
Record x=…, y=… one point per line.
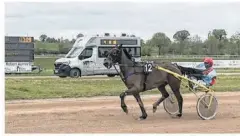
x=87, y=55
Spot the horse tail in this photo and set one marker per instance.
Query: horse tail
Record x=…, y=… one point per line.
x=188, y=70
x=183, y=71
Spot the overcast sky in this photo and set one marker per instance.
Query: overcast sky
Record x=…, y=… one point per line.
x=141, y=19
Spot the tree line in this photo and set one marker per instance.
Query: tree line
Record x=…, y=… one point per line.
x=183, y=43
x=216, y=43
x=63, y=45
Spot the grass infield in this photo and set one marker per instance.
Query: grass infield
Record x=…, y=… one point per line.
x=69, y=88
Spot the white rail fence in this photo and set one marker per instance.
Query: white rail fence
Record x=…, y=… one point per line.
x=217, y=64
x=159, y=57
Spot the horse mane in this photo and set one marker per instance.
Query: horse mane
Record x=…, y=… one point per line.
x=127, y=54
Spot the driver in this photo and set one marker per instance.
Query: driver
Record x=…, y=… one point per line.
x=209, y=74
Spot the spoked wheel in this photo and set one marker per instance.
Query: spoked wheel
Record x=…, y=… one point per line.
x=170, y=104
x=207, y=106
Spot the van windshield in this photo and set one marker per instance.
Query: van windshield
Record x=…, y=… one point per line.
x=74, y=52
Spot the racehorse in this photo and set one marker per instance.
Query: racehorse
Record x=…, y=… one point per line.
x=141, y=76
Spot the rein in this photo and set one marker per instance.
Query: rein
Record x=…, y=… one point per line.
x=120, y=73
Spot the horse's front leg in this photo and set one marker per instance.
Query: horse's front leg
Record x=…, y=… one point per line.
x=122, y=97
x=139, y=100
x=123, y=104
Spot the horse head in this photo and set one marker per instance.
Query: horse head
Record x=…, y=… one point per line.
x=117, y=55
x=113, y=57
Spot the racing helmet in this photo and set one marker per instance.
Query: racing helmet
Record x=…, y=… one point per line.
x=208, y=62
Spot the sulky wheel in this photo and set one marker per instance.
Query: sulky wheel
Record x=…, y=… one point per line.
x=205, y=109
x=170, y=104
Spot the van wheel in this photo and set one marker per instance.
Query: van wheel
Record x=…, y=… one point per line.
x=111, y=75
x=74, y=73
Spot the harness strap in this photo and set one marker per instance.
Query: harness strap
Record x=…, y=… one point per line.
x=130, y=74
x=145, y=79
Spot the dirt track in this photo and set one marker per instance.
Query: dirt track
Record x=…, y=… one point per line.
x=104, y=115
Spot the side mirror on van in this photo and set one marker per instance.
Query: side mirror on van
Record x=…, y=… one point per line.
x=80, y=57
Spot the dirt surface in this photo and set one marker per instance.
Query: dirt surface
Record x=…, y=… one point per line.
x=104, y=115
x=89, y=77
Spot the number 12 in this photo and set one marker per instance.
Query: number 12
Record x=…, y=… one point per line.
x=148, y=67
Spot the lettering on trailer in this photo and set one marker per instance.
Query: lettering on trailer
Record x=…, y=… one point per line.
x=119, y=41
x=19, y=54
x=18, y=67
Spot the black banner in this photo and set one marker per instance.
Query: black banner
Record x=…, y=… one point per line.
x=19, y=49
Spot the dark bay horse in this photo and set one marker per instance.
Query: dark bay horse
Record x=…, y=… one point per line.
x=141, y=76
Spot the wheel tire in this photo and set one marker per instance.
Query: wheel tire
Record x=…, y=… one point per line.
x=203, y=111
x=75, y=73
x=110, y=75
x=170, y=104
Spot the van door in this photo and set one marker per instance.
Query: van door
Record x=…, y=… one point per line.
x=87, y=59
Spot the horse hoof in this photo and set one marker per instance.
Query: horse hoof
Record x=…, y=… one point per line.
x=154, y=109
x=179, y=115
x=142, y=117
x=124, y=108
x=126, y=111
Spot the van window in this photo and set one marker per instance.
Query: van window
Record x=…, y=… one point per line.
x=134, y=51
x=87, y=53
x=74, y=52
x=103, y=52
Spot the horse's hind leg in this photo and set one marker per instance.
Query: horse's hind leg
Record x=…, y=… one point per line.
x=175, y=86
x=138, y=98
x=165, y=95
x=180, y=102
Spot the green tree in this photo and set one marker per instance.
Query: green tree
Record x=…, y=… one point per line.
x=60, y=47
x=181, y=36
x=219, y=34
x=211, y=45
x=235, y=40
x=43, y=37
x=146, y=48
x=66, y=41
x=195, y=45
x=160, y=40
x=73, y=41
x=142, y=42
